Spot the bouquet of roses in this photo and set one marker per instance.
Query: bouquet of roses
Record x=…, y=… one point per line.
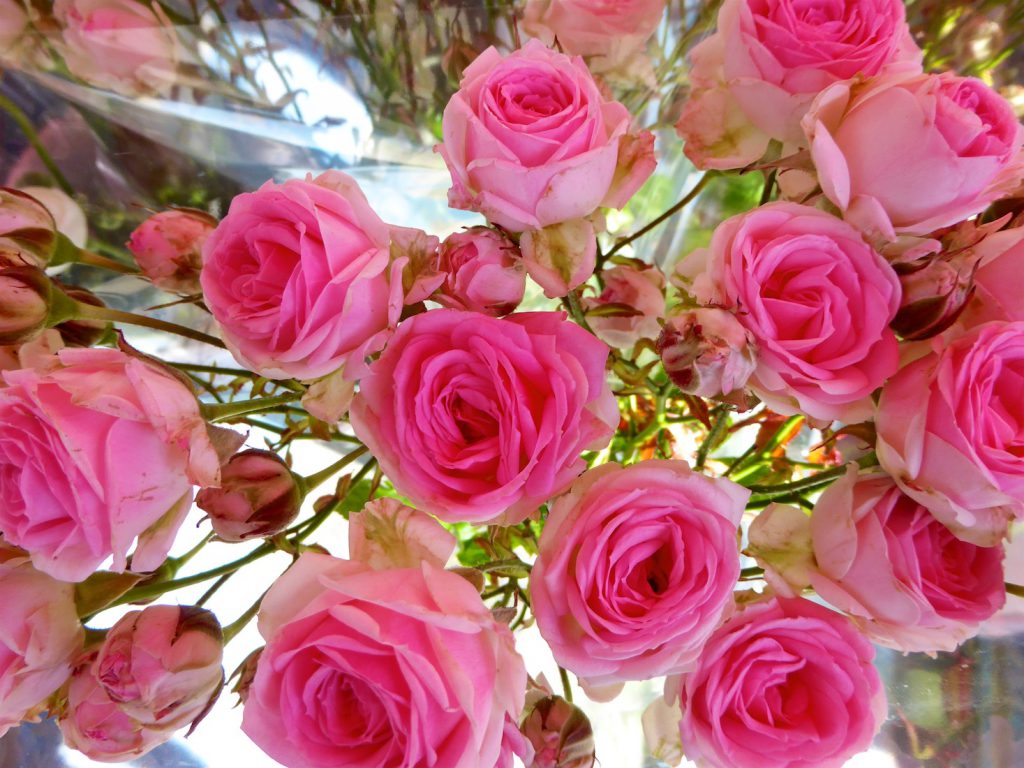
x=737, y=473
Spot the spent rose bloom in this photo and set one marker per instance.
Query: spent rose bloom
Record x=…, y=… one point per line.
x=951, y=431
x=784, y=683
x=640, y=290
x=998, y=281
x=125, y=45
x=707, y=352
x=382, y=668
x=906, y=581
x=754, y=79
x=476, y=418
x=40, y=640
x=818, y=301
x=611, y=28
x=530, y=141
x=387, y=534
x=300, y=278
x=168, y=247
x=952, y=145
x=483, y=272
x=99, y=448
x=637, y=565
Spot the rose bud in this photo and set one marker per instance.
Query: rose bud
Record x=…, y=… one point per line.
x=561, y=735
x=82, y=332
x=27, y=228
x=23, y=305
x=935, y=292
x=258, y=496
x=68, y=216
x=483, y=272
x=640, y=294
x=707, y=352
x=168, y=248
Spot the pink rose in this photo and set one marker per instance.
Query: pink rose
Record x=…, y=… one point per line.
x=998, y=281
x=952, y=146
x=782, y=684
x=28, y=233
x=494, y=412
x=951, y=431
x=639, y=290
x=816, y=298
x=530, y=141
x=636, y=566
x=387, y=534
x=13, y=24
x=168, y=248
x=26, y=297
x=42, y=636
x=383, y=668
x=754, y=79
x=707, y=352
x=905, y=579
x=125, y=45
x=593, y=27
x=97, y=450
x=483, y=272
x=299, y=277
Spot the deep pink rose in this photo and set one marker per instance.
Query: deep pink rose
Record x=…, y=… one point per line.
x=299, y=277
x=637, y=565
x=483, y=272
x=168, y=248
x=41, y=636
x=612, y=28
x=906, y=581
x=97, y=450
x=125, y=45
x=951, y=146
x=483, y=419
x=754, y=79
x=785, y=683
x=383, y=669
x=641, y=292
x=530, y=141
x=816, y=298
x=998, y=280
x=951, y=431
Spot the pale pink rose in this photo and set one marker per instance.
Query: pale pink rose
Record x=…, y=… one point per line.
x=562, y=257
x=495, y=411
x=530, y=141
x=13, y=24
x=951, y=431
x=97, y=449
x=40, y=639
x=707, y=352
x=258, y=496
x=382, y=668
x=483, y=272
x=906, y=581
x=300, y=278
x=636, y=567
x=593, y=27
x=818, y=301
x=952, y=145
x=168, y=247
x=162, y=665
x=68, y=215
x=640, y=290
x=998, y=281
x=28, y=233
x=784, y=683
x=125, y=45
x=387, y=534
x=35, y=354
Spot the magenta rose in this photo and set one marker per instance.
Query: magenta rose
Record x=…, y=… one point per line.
x=906, y=581
x=784, y=683
x=951, y=431
x=952, y=146
x=300, y=278
x=754, y=79
x=479, y=419
x=483, y=272
x=168, y=247
x=125, y=45
x=640, y=291
x=530, y=141
x=636, y=566
x=610, y=28
x=818, y=301
x=97, y=450
x=41, y=639
x=383, y=669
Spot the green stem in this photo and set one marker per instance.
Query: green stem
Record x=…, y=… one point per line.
x=93, y=259
x=106, y=314
x=213, y=589
x=232, y=629
x=224, y=411
x=752, y=455
x=763, y=493
x=213, y=369
x=29, y=130
x=1014, y=589
x=566, y=687
x=572, y=302
x=312, y=481
x=714, y=436
x=698, y=188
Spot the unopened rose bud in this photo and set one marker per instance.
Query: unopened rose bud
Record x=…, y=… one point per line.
x=707, y=352
x=483, y=271
x=258, y=496
x=561, y=735
x=630, y=306
x=27, y=228
x=82, y=332
x=24, y=304
x=561, y=257
x=935, y=292
x=168, y=248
